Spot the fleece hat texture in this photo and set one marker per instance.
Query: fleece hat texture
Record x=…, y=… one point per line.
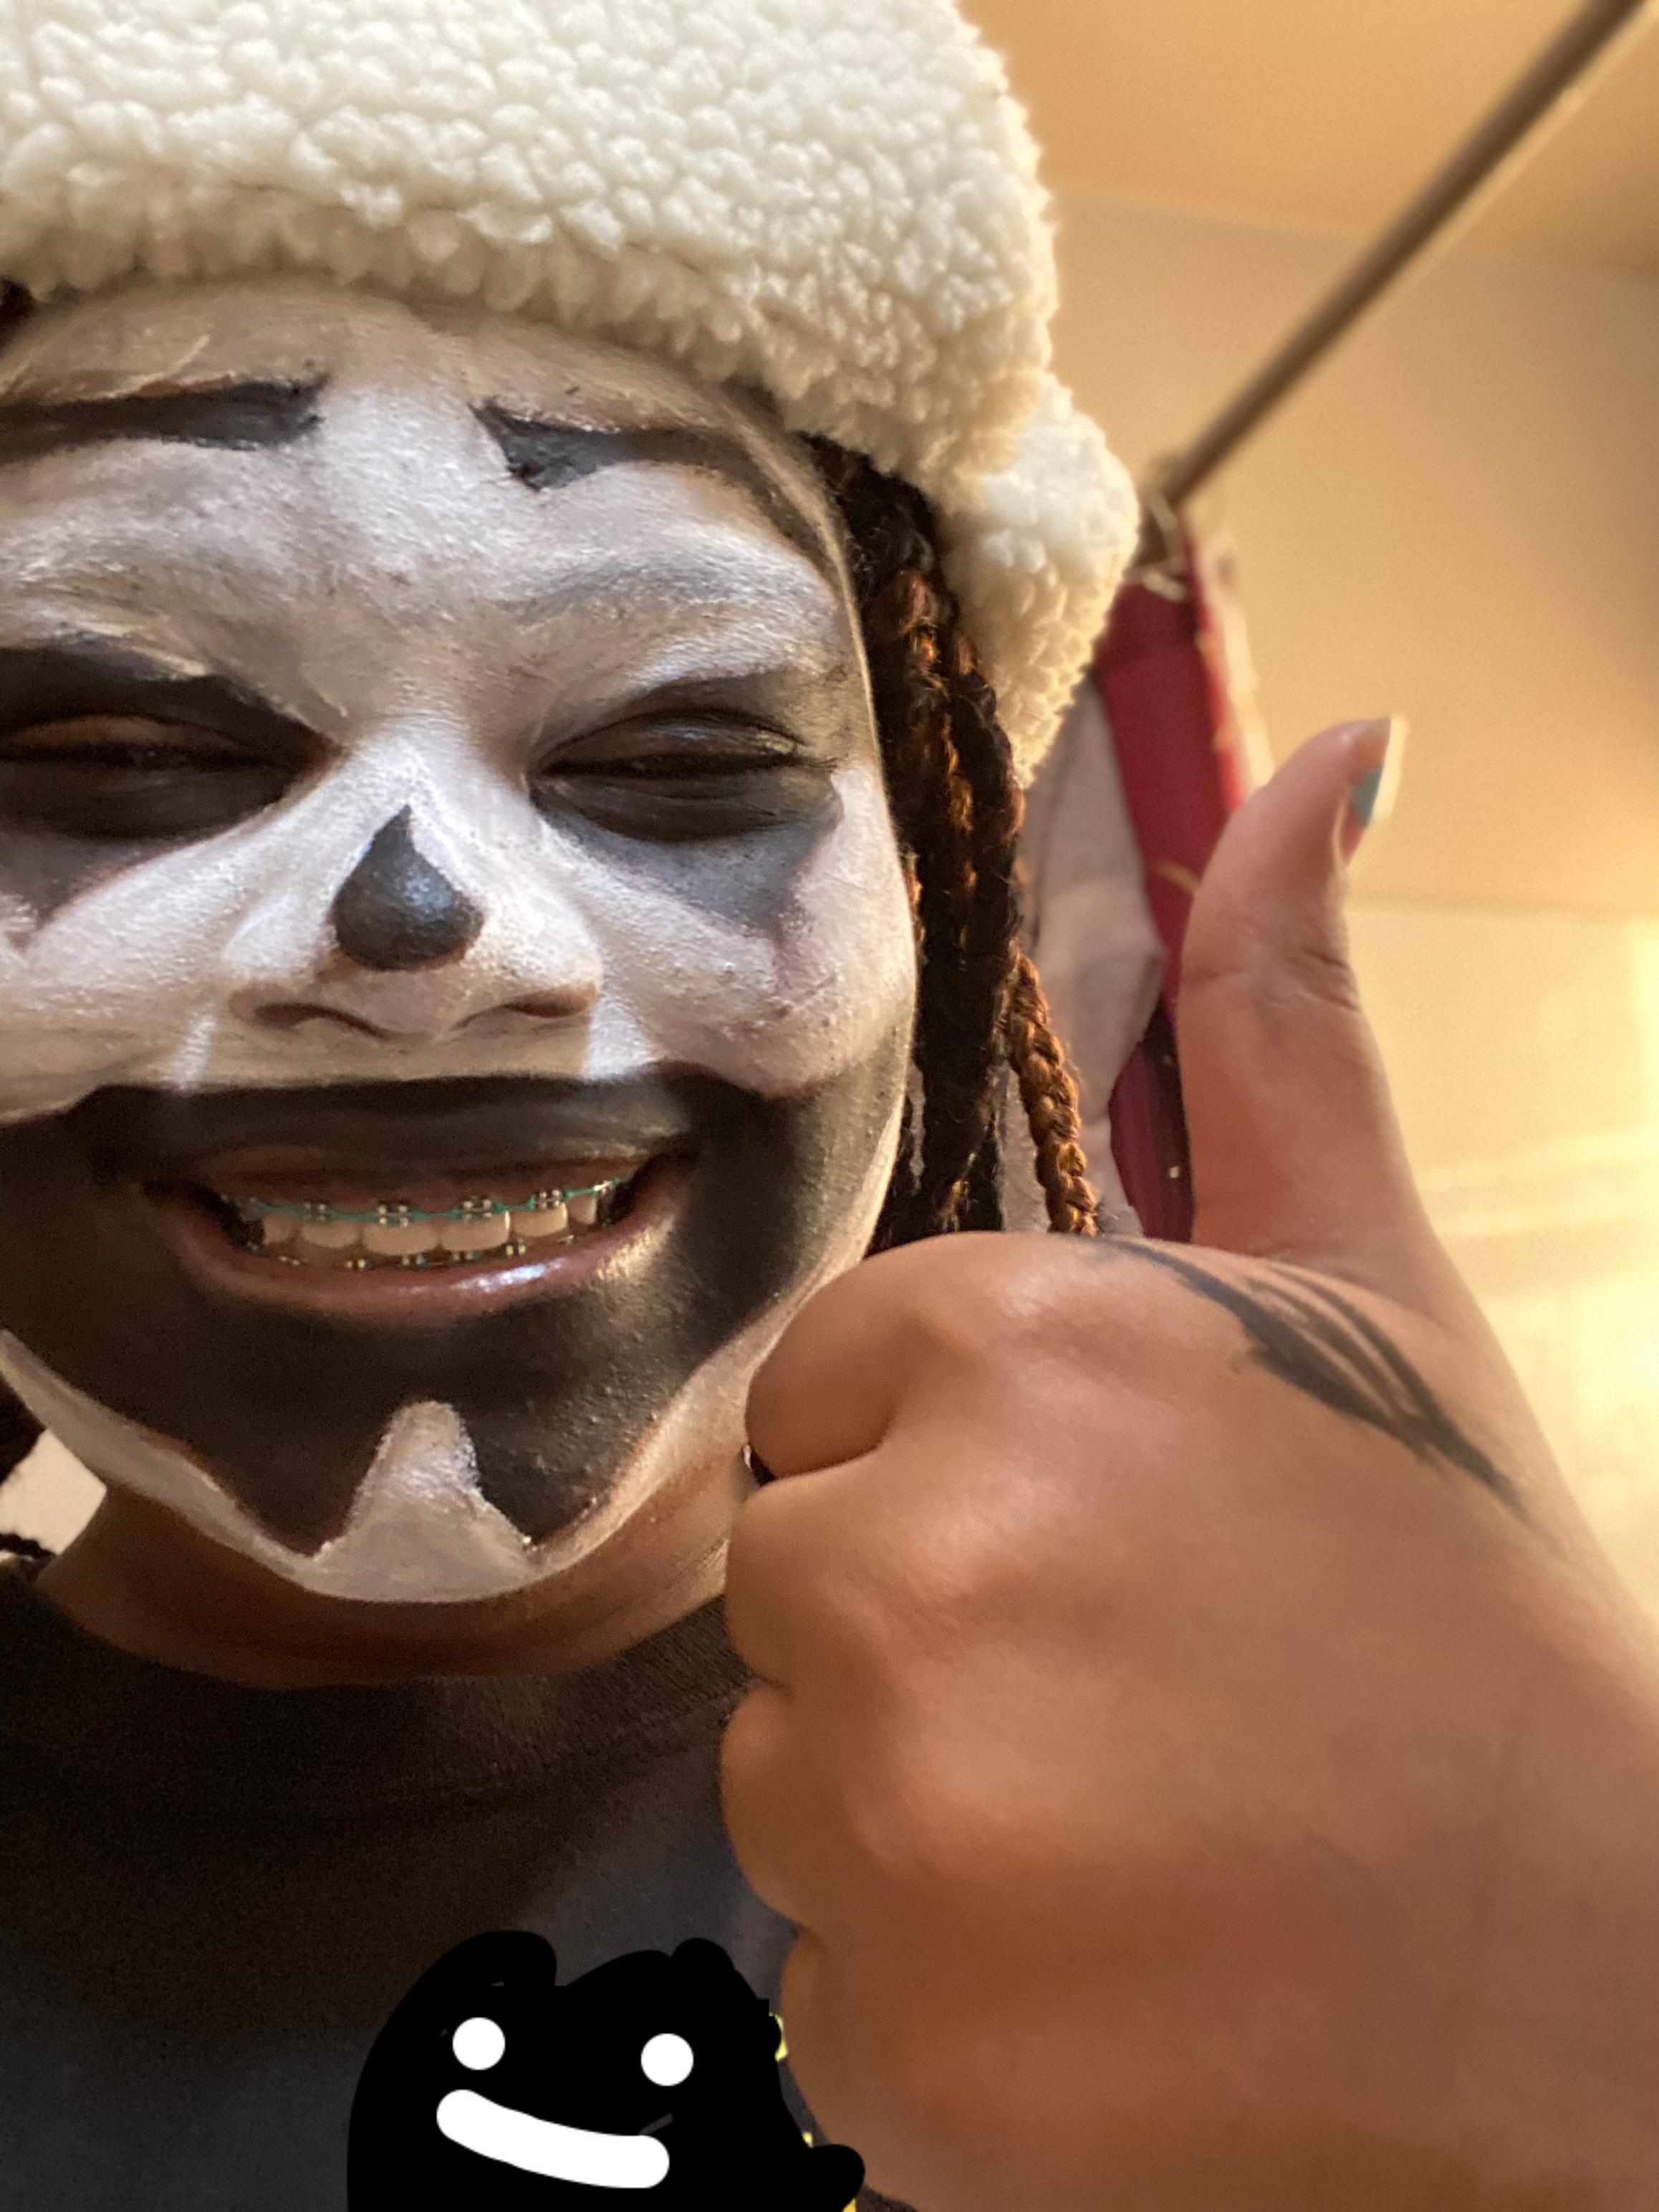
x=836, y=201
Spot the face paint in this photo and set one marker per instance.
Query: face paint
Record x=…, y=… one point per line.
x=437, y=796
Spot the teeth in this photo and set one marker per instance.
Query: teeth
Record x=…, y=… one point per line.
x=398, y=1234
x=483, y=1234
x=331, y=1235
x=399, y=1239
x=542, y=1221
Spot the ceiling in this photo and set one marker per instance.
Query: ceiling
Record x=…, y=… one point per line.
x=1331, y=113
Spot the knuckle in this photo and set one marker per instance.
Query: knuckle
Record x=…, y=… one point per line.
x=997, y=1299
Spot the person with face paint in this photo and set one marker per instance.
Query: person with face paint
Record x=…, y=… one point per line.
x=505, y=888
x=539, y=542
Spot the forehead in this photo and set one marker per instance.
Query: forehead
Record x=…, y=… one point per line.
x=146, y=336
x=395, y=433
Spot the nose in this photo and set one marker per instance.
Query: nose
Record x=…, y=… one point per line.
x=396, y=911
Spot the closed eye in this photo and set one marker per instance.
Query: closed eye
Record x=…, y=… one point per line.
x=129, y=778
x=677, y=780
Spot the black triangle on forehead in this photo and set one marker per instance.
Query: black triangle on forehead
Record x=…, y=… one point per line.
x=552, y=456
x=242, y=417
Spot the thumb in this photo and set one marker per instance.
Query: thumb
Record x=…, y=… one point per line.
x=1296, y=1150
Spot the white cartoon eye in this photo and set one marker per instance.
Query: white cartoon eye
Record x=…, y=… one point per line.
x=478, y=2043
x=666, y=2060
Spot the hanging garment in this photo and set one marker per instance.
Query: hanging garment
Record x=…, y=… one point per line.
x=1090, y=929
x=1123, y=821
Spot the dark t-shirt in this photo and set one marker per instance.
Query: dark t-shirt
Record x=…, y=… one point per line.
x=211, y=1897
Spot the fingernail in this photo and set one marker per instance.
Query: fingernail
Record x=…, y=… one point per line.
x=1377, y=748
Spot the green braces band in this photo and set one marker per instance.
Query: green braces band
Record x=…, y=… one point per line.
x=398, y=1216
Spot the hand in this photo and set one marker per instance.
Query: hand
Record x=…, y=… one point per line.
x=1209, y=1761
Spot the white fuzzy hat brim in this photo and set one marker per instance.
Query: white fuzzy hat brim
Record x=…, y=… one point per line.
x=836, y=201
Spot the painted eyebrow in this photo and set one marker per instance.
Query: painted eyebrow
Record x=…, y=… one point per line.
x=77, y=676
x=550, y=456
x=242, y=417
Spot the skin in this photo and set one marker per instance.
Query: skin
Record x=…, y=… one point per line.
x=510, y=750
x=1211, y=1764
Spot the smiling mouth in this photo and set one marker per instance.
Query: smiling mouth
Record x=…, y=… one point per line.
x=436, y=1244
x=419, y=1202
x=475, y=1229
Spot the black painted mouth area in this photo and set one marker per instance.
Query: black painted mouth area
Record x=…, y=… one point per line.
x=484, y=1126
x=287, y=1400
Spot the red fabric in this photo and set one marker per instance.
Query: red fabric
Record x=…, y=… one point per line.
x=1158, y=671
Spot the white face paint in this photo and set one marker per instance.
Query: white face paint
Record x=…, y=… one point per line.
x=614, y=737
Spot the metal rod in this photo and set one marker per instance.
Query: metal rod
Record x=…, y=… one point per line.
x=1539, y=94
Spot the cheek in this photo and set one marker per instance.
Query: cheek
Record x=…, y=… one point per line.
x=82, y=991
x=810, y=974
x=132, y=976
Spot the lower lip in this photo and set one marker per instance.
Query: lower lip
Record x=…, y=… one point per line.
x=379, y=1297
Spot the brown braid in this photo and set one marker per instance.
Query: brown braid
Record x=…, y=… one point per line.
x=957, y=807
x=1049, y=1095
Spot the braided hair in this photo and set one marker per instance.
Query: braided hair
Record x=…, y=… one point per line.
x=981, y=1015
x=981, y=1018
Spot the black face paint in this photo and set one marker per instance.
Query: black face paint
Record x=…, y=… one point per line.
x=241, y=417
x=287, y=1408
x=550, y=456
x=107, y=758
x=396, y=911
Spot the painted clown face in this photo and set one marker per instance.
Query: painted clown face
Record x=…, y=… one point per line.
x=456, y=970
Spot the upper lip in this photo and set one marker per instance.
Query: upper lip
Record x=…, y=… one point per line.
x=473, y=1129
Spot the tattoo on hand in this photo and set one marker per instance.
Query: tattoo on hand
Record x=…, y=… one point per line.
x=1312, y=1338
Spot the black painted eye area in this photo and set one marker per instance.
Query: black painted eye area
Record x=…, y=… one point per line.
x=675, y=782
x=129, y=778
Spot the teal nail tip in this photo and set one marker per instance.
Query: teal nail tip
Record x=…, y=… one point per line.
x=1363, y=794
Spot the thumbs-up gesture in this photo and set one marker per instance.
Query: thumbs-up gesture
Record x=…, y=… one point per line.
x=1210, y=1765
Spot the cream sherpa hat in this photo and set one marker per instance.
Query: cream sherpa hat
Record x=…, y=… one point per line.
x=834, y=200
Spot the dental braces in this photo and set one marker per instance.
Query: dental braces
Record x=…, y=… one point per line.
x=284, y=1228
x=395, y=1215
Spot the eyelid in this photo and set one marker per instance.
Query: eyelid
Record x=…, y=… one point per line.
x=699, y=731
x=136, y=733
x=80, y=681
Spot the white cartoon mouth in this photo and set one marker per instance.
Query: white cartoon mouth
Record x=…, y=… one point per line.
x=546, y=2147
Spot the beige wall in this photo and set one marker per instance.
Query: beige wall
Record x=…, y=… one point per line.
x=1459, y=521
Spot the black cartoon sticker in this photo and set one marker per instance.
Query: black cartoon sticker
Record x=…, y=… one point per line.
x=653, y=2079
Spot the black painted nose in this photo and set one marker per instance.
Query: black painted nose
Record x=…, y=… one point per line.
x=395, y=910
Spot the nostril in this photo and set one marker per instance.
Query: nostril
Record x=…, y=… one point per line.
x=288, y=1014
x=559, y=1004
x=397, y=911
